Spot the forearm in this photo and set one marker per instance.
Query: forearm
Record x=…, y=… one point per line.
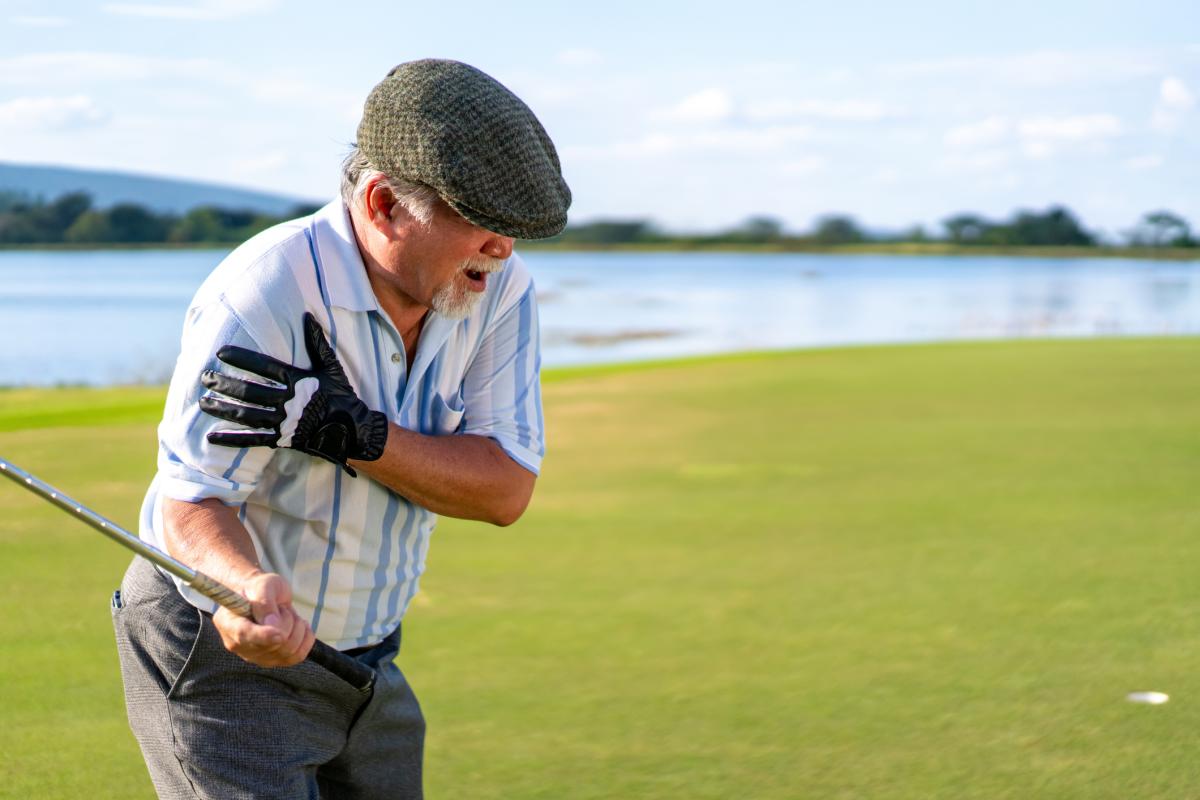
x=470, y=477
x=208, y=536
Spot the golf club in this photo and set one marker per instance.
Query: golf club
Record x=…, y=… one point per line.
x=358, y=675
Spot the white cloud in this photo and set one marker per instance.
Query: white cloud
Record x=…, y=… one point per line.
x=40, y=22
x=578, y=57
x=51, y=113
x=708, y=105
x=1037, y=148
x=76, y=67
x=305, y=94
x=984, y=161
x=204, y=10
x=1174, y=94
x=1037, y=68
x=1144, y=162
x=1077, y=128
x=984, y=133
x=1038, y=137
x=728, y=141
x=885, y=176
x=1042, y=137
x=1175, y=100
x=841, y=110
x=264, y=163
x=803, y=166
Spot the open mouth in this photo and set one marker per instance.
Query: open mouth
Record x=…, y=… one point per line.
x=477, y=271
x=477, y=279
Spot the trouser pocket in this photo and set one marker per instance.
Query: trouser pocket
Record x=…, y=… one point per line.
x=156, y=629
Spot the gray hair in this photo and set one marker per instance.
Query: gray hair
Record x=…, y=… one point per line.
x=416, y=198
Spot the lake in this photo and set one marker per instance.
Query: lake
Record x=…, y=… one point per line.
x=115, y=316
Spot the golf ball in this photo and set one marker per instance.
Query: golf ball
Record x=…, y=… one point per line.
x=1151, y=698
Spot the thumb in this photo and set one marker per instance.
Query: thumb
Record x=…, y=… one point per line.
x=322, y=355
x=267, y=598
x=319, y=352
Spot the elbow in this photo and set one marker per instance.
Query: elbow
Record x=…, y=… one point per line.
x=510, y=505
x=511, y=493
x=508, y=512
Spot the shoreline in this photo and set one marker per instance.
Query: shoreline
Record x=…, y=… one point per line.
x=878, y=248
x=567, y=372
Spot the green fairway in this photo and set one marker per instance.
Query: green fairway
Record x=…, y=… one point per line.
x=901, y=572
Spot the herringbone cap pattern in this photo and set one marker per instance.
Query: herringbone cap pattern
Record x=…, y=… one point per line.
x=456, y=129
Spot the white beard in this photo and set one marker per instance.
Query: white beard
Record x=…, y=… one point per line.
x=454, y=300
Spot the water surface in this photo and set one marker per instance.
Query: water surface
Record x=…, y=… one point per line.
x=115, y=316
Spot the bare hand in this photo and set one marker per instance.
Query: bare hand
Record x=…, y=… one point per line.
x=278, y=636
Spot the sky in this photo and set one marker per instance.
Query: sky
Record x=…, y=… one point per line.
x=696, y=115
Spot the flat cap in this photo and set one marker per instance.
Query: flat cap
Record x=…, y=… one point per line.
x=455, y=129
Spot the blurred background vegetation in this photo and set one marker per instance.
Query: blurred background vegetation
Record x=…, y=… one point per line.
x=74, y=219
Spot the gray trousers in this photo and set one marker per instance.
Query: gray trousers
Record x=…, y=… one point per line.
x=213, y=726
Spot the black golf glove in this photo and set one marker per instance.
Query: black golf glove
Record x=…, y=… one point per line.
x=314, y=410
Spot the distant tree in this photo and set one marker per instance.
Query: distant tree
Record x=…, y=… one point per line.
x=609, y=232
x=966, y=228
x=10, y=201
x=303, y=210
x=213, y=224
x=1056, y=226
x=17, y=228
x=54, y=219
x=133, y=223
x=761, y=228
x=916, y=233
x=198, y=225
x=71, y=218
x=838, y=229
x=91, y=227
x=1162, y=229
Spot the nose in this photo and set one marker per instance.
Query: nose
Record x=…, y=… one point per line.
x=498, y=247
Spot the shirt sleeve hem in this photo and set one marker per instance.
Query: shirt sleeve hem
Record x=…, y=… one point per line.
x=527, y=458
x=193, y=491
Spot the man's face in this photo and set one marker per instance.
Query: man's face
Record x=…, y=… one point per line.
x=445, y=265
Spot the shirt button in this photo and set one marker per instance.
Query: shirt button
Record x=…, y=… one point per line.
x=397, y=358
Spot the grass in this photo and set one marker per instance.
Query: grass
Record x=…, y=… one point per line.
x=901, y=572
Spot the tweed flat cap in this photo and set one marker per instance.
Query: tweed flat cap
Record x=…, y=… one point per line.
x=459, y=131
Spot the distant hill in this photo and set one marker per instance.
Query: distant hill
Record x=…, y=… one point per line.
x=158, y=194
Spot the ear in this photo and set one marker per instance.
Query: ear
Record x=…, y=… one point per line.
x=389, y=218
x=378, y=202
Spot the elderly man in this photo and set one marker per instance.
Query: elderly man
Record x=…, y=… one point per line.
x=382, y=357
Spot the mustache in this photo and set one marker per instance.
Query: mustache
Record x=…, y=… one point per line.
x=483, y=263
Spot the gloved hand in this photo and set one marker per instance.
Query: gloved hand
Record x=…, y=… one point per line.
x=315, y=411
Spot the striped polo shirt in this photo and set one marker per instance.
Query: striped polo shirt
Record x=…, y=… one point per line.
x=352, y=549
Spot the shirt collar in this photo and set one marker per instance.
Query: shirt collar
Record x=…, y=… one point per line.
x=340, y=261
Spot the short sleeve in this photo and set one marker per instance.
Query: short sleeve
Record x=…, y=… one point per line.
x=502, y=394
x=189, y=467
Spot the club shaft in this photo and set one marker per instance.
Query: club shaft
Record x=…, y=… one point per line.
x=345, y=667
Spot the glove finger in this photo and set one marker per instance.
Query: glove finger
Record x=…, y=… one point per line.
x=319, y=352
x=259, y=364
x=243, y=438
x=248, y=391
x=250, y=416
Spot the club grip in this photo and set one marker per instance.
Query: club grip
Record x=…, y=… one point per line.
x=358, y=675
x=349, y=669
x=221, y=594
